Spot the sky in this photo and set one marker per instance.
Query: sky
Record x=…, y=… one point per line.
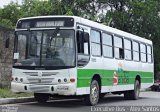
x=5, y=2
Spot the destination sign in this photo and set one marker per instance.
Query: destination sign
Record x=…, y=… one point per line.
x=49, y=23
x=45, y=23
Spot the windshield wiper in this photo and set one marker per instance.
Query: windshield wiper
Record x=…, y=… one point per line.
x=55, y=33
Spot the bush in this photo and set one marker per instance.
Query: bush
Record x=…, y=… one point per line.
x=7, y=93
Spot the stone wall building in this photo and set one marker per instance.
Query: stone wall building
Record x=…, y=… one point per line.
x=6, y=53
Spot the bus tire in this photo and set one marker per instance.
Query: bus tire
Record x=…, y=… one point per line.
x=41, y=98
x=93, y=98
x=133, y=94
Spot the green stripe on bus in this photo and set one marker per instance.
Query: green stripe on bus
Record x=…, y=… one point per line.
x=125, y=77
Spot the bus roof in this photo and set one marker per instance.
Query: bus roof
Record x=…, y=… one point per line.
x=98, y=26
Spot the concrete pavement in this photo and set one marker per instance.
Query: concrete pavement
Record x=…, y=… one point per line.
x=16, y=100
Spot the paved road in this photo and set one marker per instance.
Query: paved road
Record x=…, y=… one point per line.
x=109, y=103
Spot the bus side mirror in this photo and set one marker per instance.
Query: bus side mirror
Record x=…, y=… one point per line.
x=83, y=48
x=7, y=43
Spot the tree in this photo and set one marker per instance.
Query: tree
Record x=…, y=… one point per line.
x=10, y=14
x=137, y=17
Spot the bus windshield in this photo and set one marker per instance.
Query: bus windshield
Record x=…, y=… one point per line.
x=44, y=48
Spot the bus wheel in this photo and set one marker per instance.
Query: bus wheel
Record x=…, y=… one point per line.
x=133, y=94
x=40, y=97
x=93, y=97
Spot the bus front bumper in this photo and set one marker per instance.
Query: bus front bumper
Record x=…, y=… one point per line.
x=60, y=89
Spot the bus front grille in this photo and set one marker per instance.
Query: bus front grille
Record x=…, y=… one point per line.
x=31, y=73
x=43, y=78
x=40, y=80
x=39, y=89
x=43, y=73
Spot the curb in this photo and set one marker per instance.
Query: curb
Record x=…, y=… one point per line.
x=16, y=100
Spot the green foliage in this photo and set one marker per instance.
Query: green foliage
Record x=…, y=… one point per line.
x=7, y=93
x=69, y=13
x=6, y=23
x=10, y=14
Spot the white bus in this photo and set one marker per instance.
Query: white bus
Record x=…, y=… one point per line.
x=73, y=56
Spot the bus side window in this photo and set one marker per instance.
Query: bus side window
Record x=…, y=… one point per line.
x=83, y=42
x=136, y=51
x=143, y=52
x=121, y=53
x=118, y=47
x=96, y=43
x=82, y=48
x=149, y=54
x=107, y=41
x=128, y=49
x=86, y=43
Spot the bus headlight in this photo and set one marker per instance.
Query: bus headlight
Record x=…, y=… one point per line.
x=16, y=79
x=65, y=80
x=21, y=79
x=59, y=80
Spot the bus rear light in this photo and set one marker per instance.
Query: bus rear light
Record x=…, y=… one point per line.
x=72, y=80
